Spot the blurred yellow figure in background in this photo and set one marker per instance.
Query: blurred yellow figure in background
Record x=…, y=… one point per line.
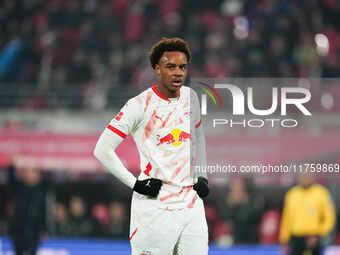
x=308, y=215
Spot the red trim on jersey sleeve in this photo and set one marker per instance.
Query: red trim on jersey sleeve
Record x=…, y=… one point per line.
x=117, y=131
x=198, y=124
x=134, y=232
x=148, y=169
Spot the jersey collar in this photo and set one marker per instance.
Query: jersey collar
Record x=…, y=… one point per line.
x=159, y=94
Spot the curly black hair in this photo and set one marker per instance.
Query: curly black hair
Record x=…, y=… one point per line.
x=168, y=44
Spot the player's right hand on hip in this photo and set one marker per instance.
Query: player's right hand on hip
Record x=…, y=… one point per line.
x=149, y=187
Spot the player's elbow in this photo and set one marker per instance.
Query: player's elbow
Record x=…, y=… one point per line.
x=105, y=147
x=97, y=152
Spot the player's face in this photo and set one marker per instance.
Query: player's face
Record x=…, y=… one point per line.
x=172, y=71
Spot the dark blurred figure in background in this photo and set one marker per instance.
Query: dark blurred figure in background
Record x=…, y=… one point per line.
x=27, y=225
x=118, y=221
x=4, y=212
x=62, y=226
x=80, y=222
x=308, y=215
x=242, y=210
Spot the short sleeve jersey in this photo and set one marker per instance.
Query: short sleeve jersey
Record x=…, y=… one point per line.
x=164, y=131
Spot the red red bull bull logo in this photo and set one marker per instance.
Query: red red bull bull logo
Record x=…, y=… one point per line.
x=176, y=137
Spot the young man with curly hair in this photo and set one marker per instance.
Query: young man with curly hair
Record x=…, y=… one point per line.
x=167, y=212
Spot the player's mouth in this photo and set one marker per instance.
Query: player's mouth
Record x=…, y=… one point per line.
x=176, y=82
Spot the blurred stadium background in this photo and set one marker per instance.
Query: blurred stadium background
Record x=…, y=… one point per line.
x=67, y=66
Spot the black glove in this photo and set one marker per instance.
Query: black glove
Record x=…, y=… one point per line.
x=149, y=187
x=201, y=187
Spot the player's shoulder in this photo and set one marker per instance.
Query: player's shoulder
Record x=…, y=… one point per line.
x=187, y=89
x=314, y=188
x=295, y=190
x=188, y=92
x=141, y=98
x=319, y=188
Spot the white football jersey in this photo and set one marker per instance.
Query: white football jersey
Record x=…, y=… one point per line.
x=164, y=131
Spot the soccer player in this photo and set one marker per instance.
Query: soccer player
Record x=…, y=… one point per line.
x=167, y=212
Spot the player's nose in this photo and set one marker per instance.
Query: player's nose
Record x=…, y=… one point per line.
x=178, y=72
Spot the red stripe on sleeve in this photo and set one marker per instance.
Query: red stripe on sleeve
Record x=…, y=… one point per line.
x=134, y=232
x=198, y=124
x=117, y=131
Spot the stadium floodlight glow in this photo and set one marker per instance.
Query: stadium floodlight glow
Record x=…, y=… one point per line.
x=232, y=7
x=327, y=101
x=322, y=44
x=241, y=29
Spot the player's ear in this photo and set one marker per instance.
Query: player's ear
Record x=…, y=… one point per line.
x=157, y=69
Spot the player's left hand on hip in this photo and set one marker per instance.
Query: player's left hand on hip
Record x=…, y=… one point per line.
x=201, y=187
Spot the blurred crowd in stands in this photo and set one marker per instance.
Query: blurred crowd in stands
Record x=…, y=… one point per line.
x=99, y=46
x=239, y=214
x=102, y=220
x=33, y=204
x=82, y=53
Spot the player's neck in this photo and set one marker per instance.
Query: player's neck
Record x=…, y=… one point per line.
x=165, y=92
